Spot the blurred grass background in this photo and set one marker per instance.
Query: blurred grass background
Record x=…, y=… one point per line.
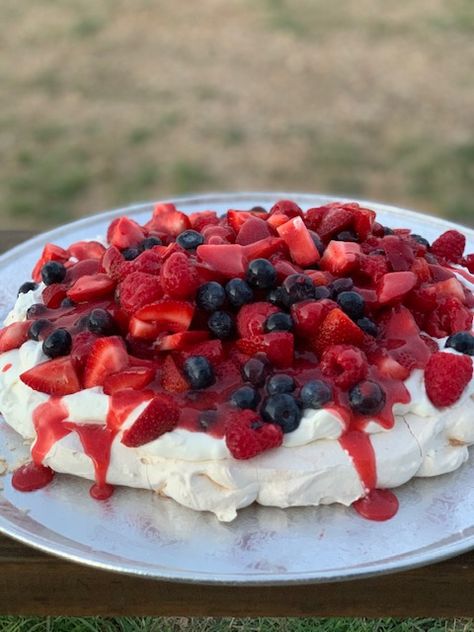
x=108, y=102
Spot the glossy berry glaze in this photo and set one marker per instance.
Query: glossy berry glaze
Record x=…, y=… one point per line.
x=177, y=336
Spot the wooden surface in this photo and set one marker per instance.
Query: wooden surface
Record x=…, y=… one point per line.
x=35, y=583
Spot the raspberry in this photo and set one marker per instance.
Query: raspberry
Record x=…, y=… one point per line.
x=247, y=435
x=448, y=318
x=446, y=377
x=178, y=277
x=449, y=246
x=138, y=289
x=422, y=270
x=345, y=365
x=374, y=267
x=203, y=218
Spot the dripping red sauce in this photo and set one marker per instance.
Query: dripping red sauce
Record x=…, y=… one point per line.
x=7, y=367
x=32, y=476
x=379, y=505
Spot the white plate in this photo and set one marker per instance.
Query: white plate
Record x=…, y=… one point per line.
x=137, y=532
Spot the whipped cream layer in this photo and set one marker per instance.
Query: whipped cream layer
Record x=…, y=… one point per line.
x=197, y=470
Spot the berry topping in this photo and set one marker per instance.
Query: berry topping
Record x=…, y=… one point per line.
x=190, y=239
x=55, y=377
x=228, y=260
x=303, y=250
x=316, y=394
x=255, y=371
x=178, y=277
x=279, y=347
x=90, y=287
x=351, y=304
x=261, y=274
x=129, y=254
x=446, y=377
x=168, y=315
x=53, y=272
x=58, y=343
x=462, y=342
x=101, y=322
x=279, y=322
x=14, y=335
x=449, y=246
x=245, y=397
x=252, y=317
x=135, y=377
x=221, y=325
x=150, y=242
x=247, y=435
x=297, y=287
x=344, y=365
x=124, y=233
x=280, y=383
x=172, y=380
x=239, y=292
x=368, y=326
x=160, y=416
x=107, y=356
x=40, y=329
x=283, y=410
x=28, y=286
x=211, y=296
x=367, y=398
x=394, y=286
x=199, y=372
x=340, y=257
x=338, y=328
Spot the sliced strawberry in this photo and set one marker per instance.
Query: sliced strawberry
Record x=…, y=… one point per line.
x=90, y=287
x=82, y=344
x=363, y=222
x=178, y=277
x=399, y=252
x=309, y=315
x=54, y=377
x=137, y=290
x=338, y=217
x=422, y=270
x=303, y=250
x=125, y=233
x=51, y=252
x=450, y=317
x=86, y=250
x=226, y=233
x=264, y=248
x=170, y=315
x=167, y=219
x=251, y=318
x=112, y=261
x=211, y=349
x=286, y=207
x=160, y=416
x=340, y=257
x=277, y=220
x=399, y=323
x=203, y=218
x=108, y=355
x=450, y=287
x=181, y=340
x=82, y=268
x=229, y=260
x=337, y=329
x=143, y=330
x=284, y=268
x=237, y=219
x=439, y=273
x=320, y=278
x=14, y=335
x=390, y=368
x=394, y=286
x=172, y=380
x=279, y=347
x=54, y=294
x=136, y=377
x=254, y=229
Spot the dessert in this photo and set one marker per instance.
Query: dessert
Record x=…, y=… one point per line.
x=291, y=358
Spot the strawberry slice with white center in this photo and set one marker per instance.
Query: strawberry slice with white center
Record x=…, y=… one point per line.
x=107, y=356
x=81, y=268
x=169, y=315
x=340, y=257
x=86, y=250
x=264, y=248
x=179, y=341
x=394, y=286
x=14, y=335
x=125, y=233
x=303, y=250
x=136, y=377
x=337, y=329
x=51, y=252
x=254, y=229
x=227, y=259
x=90, y=287
x=160, y=416
x=167, y=219
x=143, y=330
x=54, y=377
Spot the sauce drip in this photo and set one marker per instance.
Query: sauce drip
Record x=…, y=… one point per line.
x=359, y=447
x=48, y=420
x=379, y=505
x=32, y=476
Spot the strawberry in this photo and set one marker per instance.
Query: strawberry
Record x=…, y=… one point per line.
x=142, y=330
x=373, y=267
x=90, y=287
x=399, y=252
x=264, y=248
x=247, y=435
x=203, y=218
x=14, y=335
x=236, y=219
x=211, y=349
x=344, y=365
x=178, y=277
x=81, y=268
x=284, y=267
x=286, y=207
x=225, y=234
x=277, y=220
x=112, y=260
x=303, y=250
x=167, y=219
x=160, y=416
x=390, y=368
x=450, y=287
x=448, y=318
x=53, y=295
x=51, y=252
x=449, y=246
x=439, y=273
x=124, y=233
x=394, y=286
x=108, y=355
x=181, y=340
x=251, y=318
x=134, y=377
x=86, y=250
x=363, y=222
x=137, y=290
x=82, y=344
x=170, y=315
x=422, y=270
x=278, y=345
x=309, y=315
x=54, y=377
x=254, y=229
x=336, y=218
x=172, y=379
x=340, y=257
x=227, y=259
x=446, y=377
x=313, y=217
x=337, y=329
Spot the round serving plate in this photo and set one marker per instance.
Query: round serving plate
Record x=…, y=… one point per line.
x=139, y=533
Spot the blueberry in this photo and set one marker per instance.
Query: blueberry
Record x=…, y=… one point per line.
x=320, y=292
x=245, y=397
x=261, y=274
x=316, y=393
x=221, y=324
x=283, y=410
x=42, y=325
x=199, y=372
x=352, y=304
x=275, y=297
x=210, y=296
x=368, y=326
x=341, y=285
x=58, y=343
x=346, y=235
x=67, y=302
x=238, y=292
x=296, y=288
x=190, y=239
x=27, y=287
x=367, y=398
x=420, y=240
x=255, y=371
x=279, y=322
x=258, y=209
x=150, y=242
x=388, y=231
x=317, y=241
x=207, y=418
x=36, y=310
x=82, y=324
x=280, y=383
x=129, y=254
x=101, y=322
x=462, y=342
x=53, y=272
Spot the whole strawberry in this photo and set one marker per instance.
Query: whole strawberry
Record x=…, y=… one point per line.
x=446, y=377
x=247, y=435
